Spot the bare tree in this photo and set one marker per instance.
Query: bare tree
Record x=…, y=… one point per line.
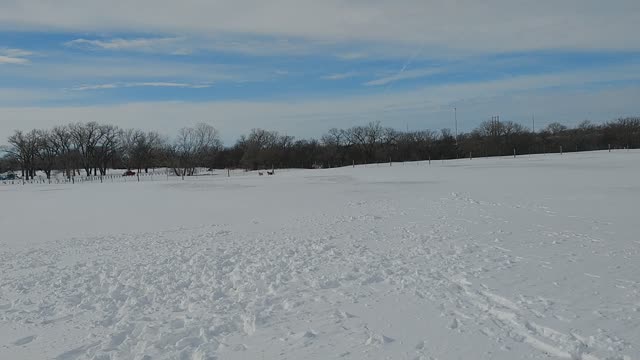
x=366, y=138
x=208, y=143
x=193, y=147
x=95, y=147
x=48, y=151
x=85, y=139
x=23, y=148
x=62, y=140
x=105, y=148
x=556, y=128
x=259, y=148
x=334, y=144
x=151, y=151
x=129, y=141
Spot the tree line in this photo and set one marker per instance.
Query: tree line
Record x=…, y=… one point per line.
x=91, y=148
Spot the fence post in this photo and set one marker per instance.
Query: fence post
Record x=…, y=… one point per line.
x=514, y=153
x=609, y=147
x=228, y=172
x=560, y=149
x=429, y=159
x=470, y=155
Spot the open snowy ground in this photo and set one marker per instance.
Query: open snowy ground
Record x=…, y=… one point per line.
x=529, y=258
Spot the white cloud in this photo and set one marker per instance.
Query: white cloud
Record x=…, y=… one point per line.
x=20, y=96
x=186, y=45
x=552, y=97
x=166, y=44
x=470, y=25
x=403, y=75
x=352, y=56
x=94, y=87
x=16, y=52
x=14, y=56
x=114, y=69
x=260, y=46
x=140, y=84
x=340, y=76
x=12, y=60
x=313, y=118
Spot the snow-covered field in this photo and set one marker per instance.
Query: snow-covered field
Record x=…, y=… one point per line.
x=529, y=258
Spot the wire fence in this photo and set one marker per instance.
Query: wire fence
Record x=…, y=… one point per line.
x=169, y=175
x=79, y=179
x=155, y=176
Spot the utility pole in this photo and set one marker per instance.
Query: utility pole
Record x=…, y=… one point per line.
x=455, y=116
x=533, y=123
x=495, y=122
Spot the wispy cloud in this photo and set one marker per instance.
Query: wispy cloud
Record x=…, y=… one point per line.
x=14, y=56
x=415, y=22
x=403, y=75
x=94, y=87
x=75, y=69
x=245, y=44
x=339, y=76
x=16, y=52
x=253, y=46
x=140, y=84
x=164, y=44
x=14, y=96
x=312, y=118
x=352, y=55
x=12, y=60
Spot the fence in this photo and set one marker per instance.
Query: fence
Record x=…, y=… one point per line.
x=85, y=179
x=169, y=175
x=156, y=176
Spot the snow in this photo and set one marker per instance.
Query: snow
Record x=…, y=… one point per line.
x=501, y=258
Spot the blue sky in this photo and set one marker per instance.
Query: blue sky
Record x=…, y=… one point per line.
x=302, y=67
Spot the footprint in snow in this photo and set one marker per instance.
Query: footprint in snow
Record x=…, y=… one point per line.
x=24, y=341
x=379, y=339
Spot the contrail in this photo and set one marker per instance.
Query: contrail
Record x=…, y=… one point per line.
x=407, y=63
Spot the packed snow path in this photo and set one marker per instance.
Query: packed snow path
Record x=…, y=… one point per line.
x=529, y=258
